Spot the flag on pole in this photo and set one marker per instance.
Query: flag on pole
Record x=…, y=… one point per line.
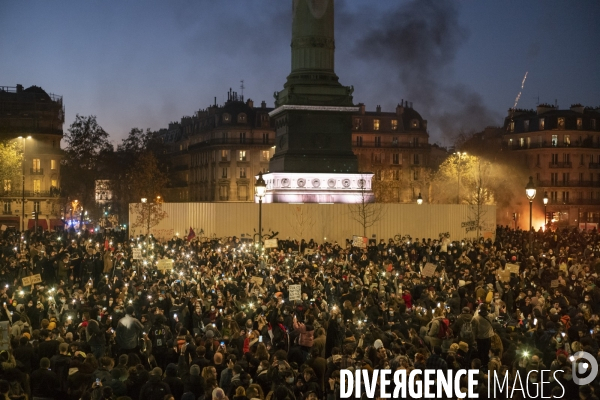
x=191, y=235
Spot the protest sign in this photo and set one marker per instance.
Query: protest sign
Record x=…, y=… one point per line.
x=295, y=292
x=164, y=264
x=360, y=242
x=137, y=254
x=271, y=244
x=428, y=270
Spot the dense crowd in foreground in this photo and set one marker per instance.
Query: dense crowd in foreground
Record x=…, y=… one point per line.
x=220, y=325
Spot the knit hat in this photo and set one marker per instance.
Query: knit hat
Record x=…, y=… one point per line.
x=195, y=370
x=157, y=372
x=378, y=344
x=463, y=346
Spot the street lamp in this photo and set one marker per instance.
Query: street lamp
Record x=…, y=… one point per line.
x=545, y=204
x=260, y=189
x=419, y=199
x=460, y=156
x=23, y=188
x=530, y=192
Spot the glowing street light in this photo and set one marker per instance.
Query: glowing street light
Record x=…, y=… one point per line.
x=419, y=199
x=260, y=189
x=530, y=193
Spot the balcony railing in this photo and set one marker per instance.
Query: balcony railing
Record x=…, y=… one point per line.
x=30, y=193
x=586, y=144
x=560, y=165
x=594, y=165
x=401, y=145
x=574, y=183
x=574, y=202
x=237, y=141
x=36, y=171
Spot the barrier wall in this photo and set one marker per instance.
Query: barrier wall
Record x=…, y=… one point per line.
x=317, y=221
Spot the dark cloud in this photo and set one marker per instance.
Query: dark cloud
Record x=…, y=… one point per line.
x=418, y=42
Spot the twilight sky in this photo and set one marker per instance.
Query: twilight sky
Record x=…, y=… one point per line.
x=146, y=63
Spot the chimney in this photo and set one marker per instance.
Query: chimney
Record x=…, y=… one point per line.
x=215, y=101
x=361, y=108
x=250, y=103
x=400, y=109
x=378, y=108
x=19, y=88
x=542, y=108
x=263, y=104
x=578, y=108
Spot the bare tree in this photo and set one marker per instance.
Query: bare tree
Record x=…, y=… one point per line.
x=300, y=220
x=480, y=194
x=365, y=211
x=148, y=215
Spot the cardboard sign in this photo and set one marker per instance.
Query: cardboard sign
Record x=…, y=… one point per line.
x=554, y=283
x=360, y=242
x=256, y=279
x=428, y=270
x=295, y=292
x=308, y=252
x=512, y=268
x=563, y=267
x=504, y=275
x=137, y=254
x=271, y=244
x=26, y=281
x=164, y=264
x=37, y=278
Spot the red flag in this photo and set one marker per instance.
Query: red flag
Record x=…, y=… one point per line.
x=191, y=235
x=106, y=244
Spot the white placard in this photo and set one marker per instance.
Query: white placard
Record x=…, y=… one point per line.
x=295, y=292
x=360, y=242
x=137, y=254
x=271, y=244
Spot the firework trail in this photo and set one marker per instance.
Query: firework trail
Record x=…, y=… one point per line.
x=519, y=95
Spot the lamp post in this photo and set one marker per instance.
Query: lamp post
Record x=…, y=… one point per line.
x=545, y=213
x=530, y=192
x=23, y=187
x=460, y=156
x=260, y=189
x=419, y=199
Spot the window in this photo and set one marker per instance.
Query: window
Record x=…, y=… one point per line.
x=522, y=142
x=581, y=177
x=54, y=183
x=396, y=159
x=414, y=123
x=579, y=123
x=415, y=175
x=581, y=162
x=265, y=138
x=554, y=178
x=416, y=141
x=377, y=141
x=242, y=137
x=377, y=158
x=593, y=124
x=528, y=142
x=224, y=155
x=537, y=163
x=566, y=158
x=561, y=123
x=7, y=185
x=242, y=193
x=242, y=118
x=224, y=173
x=242, y=174
x=7, y=207
x=416, y=159
x=565, y=197
x=554, y=158
x=566, y=178
x=567, y=140
x=375, y=124
x=394, y=124
x=225, y=137
x=512, y=126
x=358, y=141
x=542, y=124
x=52, y=164
x=357, y=124
x=36, y=206
x=36, y=165
x=242, y=155
x=553, y=196
x=37, y=185
x=526, y=125
x=396, y=175
x=226, y=118
x=554, y=140
x=264, y=155
x=223, y=192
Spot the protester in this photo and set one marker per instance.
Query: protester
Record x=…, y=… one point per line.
x=112, y=316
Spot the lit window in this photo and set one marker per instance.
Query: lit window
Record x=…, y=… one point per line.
x=579, y=123
x=554, y=140
x=242, y=155
x=54, y=183
x=224, y=173
x=36, y=167
x=224, y=155
x=264, y=155
x=561, y=123
x=522, y=142
x=357, y=124
x=414, y=123
x=375, y=124
x=7, y=207
x=52, y=164
x=226, y=118
x=567, y=140
x=394, y=124
x=242, y=172
x=241, y=118
x=37, y=185
x=512, y=126
x=7, y=185
x=542, y=124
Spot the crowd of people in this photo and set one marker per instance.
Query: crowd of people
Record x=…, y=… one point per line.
x=113, y=319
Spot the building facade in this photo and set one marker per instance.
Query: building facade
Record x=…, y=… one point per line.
x=216, y=153
x=561, y=149
x=35, y=120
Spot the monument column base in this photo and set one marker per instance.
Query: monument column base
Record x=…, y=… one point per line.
x=300, y=187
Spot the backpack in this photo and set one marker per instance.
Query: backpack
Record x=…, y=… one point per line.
x=445, y=332
x=466, y=332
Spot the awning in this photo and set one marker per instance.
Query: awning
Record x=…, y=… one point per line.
x=10, y=221
x=57, y=223
x=40, y=223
